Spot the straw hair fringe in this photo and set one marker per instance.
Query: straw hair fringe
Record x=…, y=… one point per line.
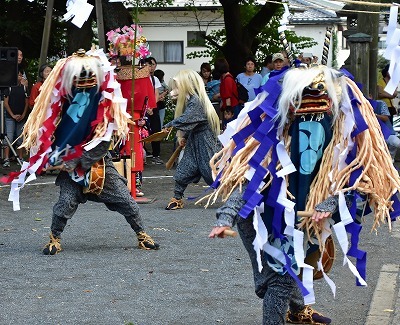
x=233, y=168
x=189, y=82
x=379, y=178
x=39, y=111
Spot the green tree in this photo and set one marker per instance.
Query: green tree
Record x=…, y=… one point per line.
x=22, y=23
x=264, y=43
x=251, y=29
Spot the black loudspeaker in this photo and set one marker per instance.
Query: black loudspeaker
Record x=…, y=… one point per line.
x=8, y=66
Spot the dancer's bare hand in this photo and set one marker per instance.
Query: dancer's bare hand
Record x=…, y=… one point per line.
x=182, y=142
x=218, y=232
x=319, y=216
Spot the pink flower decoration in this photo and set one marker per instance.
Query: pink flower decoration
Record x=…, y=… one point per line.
x=122, y=42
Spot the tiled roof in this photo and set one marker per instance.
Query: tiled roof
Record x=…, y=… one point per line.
x=307, y=11
x=313, y=12
x=199, y=3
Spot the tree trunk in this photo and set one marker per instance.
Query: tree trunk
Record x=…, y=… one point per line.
x=239, y=38
x=79, y=38
x=115, y=15
x=234, y=35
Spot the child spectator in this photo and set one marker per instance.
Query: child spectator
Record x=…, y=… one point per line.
x=229, y=115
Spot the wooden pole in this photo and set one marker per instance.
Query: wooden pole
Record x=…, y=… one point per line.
x=369, y=24
x=100, y=25
x=46, y=33
x=132, y=135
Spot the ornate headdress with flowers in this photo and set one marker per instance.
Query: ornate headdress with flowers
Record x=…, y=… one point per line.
x=122, y=42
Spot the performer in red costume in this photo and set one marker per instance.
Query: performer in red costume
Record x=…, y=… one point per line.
x=142, y=88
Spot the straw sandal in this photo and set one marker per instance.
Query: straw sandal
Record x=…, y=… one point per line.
x=307, y=316
x=174, y=204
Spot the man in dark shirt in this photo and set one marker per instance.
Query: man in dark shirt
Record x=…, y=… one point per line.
x=16, y=110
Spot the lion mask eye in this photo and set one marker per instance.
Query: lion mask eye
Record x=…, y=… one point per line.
x=321, y=86
x=319, y=83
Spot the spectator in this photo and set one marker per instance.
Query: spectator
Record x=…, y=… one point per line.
x=44, y=72
x=154, y=116
x=229, y=115
x=268, y=66
x=306, y=58
x=250, y=79
x=16, y=110
x=228, y=89
x=382, y=113
x=383, y=95
x=278, y=61
x=205, y=72
x=213, y=91
x=24, y=80
x=162, y=93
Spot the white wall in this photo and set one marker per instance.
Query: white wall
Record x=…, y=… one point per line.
x=317, y=32
x=173, y=26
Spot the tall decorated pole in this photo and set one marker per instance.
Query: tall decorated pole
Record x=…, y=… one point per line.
x=282, y=37
x=132, y=126
x=286, y=47
x=128, y=44
x=327, y=42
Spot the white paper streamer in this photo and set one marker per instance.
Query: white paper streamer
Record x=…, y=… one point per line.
x=308, y=270
x=106, y=137
x=261, y=237
x=392, y=51
x=341, y=235
x=79, y=11
x=285, y=19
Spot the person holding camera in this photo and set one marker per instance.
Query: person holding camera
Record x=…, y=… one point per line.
x=16, y=111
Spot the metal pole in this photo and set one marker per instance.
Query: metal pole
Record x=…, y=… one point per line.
x=46, y=32
x=100, y=25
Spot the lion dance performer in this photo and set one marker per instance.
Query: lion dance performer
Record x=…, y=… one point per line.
x=78, y=110
x=198, y=123
x=308, y=142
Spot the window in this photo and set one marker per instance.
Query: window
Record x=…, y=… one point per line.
x=196, y=38
x=382, y=44
x=167, y=51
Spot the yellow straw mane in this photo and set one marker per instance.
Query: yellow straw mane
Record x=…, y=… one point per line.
x=39, y=111
x=379, y=178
